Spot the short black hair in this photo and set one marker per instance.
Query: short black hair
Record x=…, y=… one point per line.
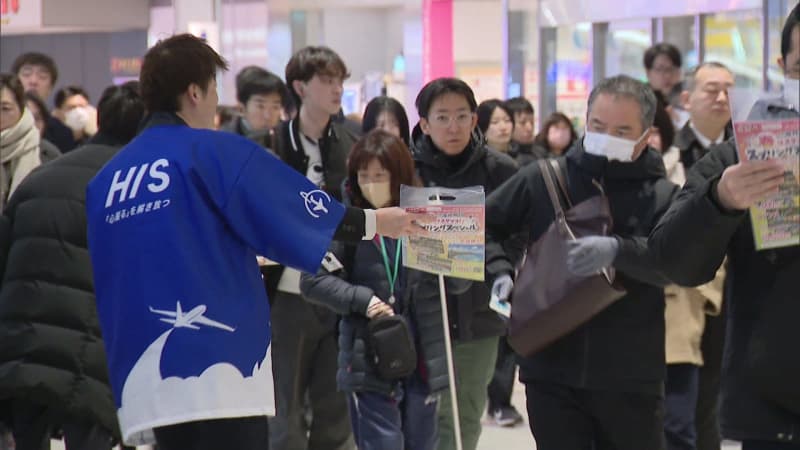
x=486, y=109
x=384, y=103
x=120, y=111
x=520, y=105
x=253, y=80
x=792, y=21
x=68, y=91
x=662, y=48
x=172, y=65
x=36, y=59
x=11, y=82
x=439, y=87
x=310, y=61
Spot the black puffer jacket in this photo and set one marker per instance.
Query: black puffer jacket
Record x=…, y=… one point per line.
x=51, y=349
x=348, y=293
x=468, y=301
x=761, y=367
x=622, y=347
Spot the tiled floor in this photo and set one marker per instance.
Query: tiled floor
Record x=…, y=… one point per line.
x=497, y=438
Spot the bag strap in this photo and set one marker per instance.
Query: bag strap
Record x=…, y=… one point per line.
x=551, y=188
x=561, y=181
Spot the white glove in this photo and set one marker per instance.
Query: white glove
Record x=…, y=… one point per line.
x=502, y=287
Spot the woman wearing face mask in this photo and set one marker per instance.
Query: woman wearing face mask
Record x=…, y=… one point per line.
x=387, y=114
x=496, y=122
x=557, y=134
x=19, y=137
x=73, y=108
x=367, y=281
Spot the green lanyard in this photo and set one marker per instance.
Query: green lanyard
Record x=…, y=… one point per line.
x=392, y=278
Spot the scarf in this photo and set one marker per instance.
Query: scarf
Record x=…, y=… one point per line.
x=19, y=154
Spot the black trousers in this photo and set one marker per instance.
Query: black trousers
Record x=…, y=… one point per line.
x=304, y=363
x=680, y=403
x=32, y=428
x=502, y=385
x=565, y=418
x=241, y=433
x=707, y=411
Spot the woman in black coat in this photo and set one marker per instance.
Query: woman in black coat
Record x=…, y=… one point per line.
x=365, y=282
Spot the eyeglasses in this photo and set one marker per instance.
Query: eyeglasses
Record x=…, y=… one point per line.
x=444, y=121
x=665, y=70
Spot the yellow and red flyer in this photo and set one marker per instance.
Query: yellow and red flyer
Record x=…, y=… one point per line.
x=776, y=219
x=454, y=244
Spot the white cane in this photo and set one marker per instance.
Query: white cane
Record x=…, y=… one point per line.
x=451, y=375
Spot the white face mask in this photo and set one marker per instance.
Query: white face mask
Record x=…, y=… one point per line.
x=791, y=91
x=612, y=147
x=77, y=118
x=378, y=194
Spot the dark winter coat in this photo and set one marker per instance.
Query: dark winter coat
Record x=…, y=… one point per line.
x=51, y=348
x=467, y=301
x=525, y=154
x=622, y=347
x=348, y=293
x=761, y=368
x=264, y=138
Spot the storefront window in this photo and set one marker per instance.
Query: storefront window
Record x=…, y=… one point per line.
x=627, y=42
x=680, y=32
x=776, y=17
x=734, y=38
x=572, y=71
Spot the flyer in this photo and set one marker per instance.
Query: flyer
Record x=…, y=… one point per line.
x=776, y=219
x=454, y=244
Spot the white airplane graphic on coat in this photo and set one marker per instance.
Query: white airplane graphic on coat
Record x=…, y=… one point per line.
x=179, y=319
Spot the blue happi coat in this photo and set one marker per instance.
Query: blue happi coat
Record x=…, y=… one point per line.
x=175, y=221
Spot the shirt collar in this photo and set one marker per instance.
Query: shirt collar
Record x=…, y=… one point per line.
x=704, y=141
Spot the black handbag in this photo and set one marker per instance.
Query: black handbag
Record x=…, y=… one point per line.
x=391, y=347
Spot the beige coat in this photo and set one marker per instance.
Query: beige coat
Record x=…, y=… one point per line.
x=686, y=308
x=685, y=316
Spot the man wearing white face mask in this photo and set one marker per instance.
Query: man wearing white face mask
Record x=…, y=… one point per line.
x=74, y=110
x=760, y=395
x=600, y=386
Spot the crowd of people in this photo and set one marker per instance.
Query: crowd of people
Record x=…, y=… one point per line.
x=163, y=282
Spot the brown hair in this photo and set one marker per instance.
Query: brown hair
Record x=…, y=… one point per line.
x=172, y=65
x=310, y=61
x=553, y=119
x=13, y=84
x=393, y=155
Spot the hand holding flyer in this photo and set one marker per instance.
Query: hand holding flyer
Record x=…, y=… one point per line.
x=768, y=129
x=453, y=244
